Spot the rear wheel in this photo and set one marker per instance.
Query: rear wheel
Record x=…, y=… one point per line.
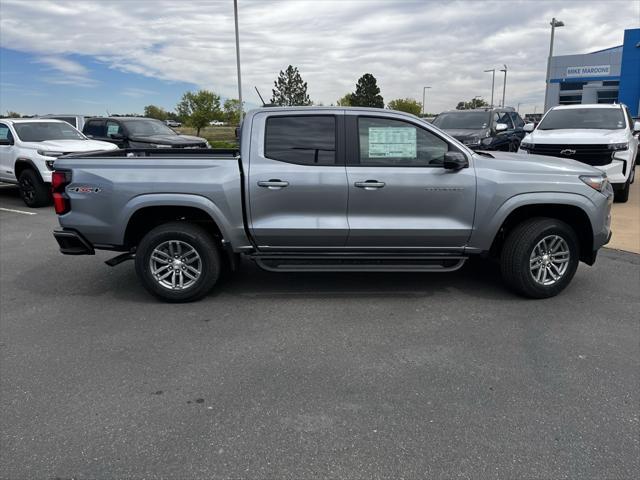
x=33, y=190
x=178, y=262
x=540, y=257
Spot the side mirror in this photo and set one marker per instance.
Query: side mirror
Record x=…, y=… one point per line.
x=116, y=136
x=636, y=126
x=529, y=127
x=455, y=161
x=6, y=141
x=501, y=127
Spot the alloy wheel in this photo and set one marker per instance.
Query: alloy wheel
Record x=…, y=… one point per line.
x=549, y=260
x=175, y=265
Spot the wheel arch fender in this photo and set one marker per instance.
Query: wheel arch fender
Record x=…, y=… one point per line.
x=572, y=208
x=21, y=164
x=176, y=202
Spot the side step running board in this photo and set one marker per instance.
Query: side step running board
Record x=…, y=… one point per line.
x=359, y=263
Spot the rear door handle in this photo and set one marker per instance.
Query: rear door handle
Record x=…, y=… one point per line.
x=370, y=184
x=273, y=184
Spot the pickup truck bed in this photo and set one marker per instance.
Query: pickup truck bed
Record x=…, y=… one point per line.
x=311, y=192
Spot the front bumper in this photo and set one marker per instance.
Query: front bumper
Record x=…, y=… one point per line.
x=73, y=243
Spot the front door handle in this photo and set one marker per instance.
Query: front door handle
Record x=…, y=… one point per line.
x=273, y=184
x=370, y=184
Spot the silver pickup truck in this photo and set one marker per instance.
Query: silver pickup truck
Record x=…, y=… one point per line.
x=332, y=189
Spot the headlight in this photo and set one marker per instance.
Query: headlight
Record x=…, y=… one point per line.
x=526, y=146
x=159, y=145
x=597, y=182
x=48, y=153
x=618, y=146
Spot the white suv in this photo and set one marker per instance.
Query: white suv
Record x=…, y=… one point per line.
x=28, y=148
x=601, y=135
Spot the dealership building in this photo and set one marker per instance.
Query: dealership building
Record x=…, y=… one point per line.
x=605, y=76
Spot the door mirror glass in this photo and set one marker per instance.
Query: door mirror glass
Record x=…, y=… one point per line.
x=501, y=127
x=455, y=161
x=529, y=127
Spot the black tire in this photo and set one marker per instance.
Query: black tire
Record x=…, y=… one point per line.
x=622, y=195
x=195, y=237
x=33, y=191
x=517, y=252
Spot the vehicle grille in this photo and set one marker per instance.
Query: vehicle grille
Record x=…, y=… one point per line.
x=589, y=154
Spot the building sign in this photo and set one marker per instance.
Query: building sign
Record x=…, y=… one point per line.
x=589, y=71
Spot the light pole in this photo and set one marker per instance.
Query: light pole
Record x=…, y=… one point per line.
x=493, y=82
x=554, y=23
x=518, y=109
x=424, y=97
x=235, y=14
x=504, y=86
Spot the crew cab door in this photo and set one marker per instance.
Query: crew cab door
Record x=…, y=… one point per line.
x=297, y=185
x=8, y=153
x=400, y=195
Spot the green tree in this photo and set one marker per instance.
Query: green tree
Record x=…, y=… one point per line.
x=367, y=93
x=231, y=109
x=473, y=103
x=408, y=105
x=152, y=111
x=11, y=114
x=344, y=101
x=197, y=109
x=289, y=89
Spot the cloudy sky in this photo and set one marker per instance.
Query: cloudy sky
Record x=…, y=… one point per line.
x=93, y=56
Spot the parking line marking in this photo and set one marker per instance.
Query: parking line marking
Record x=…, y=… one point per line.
x=17, y=211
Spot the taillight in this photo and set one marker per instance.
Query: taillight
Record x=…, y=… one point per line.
x=59, y=180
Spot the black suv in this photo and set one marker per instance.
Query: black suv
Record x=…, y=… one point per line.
x=139, y=132
x=484, y=128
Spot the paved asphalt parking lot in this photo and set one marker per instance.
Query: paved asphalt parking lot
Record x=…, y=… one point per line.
x=311, y=375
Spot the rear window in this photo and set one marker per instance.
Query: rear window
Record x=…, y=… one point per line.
x=583, y=118
x=70, y=120
x=306, y=140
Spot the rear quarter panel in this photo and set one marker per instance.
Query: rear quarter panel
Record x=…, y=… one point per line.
x=106, y=192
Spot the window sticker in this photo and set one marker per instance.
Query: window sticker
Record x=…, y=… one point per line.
x=113, y=128
x=396, y=142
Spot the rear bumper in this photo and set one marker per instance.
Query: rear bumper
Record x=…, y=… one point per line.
x=73, y=243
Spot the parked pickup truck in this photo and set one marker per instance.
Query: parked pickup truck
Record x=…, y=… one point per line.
x=332, y=189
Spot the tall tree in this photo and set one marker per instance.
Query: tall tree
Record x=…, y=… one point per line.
x=152, y=111
x=231, y=109
x=11, y=114
x=473, y=103
x=408, y=105
x=344, y=101
x=197, y=109
x=367, y=93
x=289, y=89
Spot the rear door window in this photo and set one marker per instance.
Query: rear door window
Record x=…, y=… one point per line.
x=95, y=128
x=113, y=128
x=302, y=139
x=504, y=117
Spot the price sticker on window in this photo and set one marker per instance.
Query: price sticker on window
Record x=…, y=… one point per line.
x=395, y=142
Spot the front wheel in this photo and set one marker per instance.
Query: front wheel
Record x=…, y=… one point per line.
x=178, y=262
x=33, y=190
x=540, y=257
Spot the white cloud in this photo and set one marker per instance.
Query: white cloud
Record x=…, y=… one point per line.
x=406, y=45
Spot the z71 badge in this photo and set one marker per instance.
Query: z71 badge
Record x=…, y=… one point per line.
x=84, y=189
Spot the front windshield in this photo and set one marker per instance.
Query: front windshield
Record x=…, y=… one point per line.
x=147, y=127
x=463, y=120
x=583, y=118
x=42, y=131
